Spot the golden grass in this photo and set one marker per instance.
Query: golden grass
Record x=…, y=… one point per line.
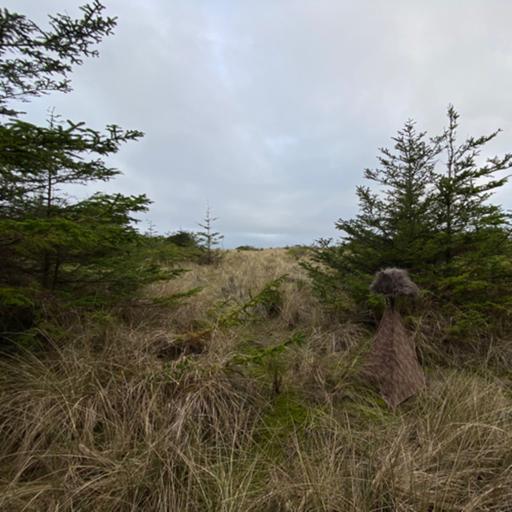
x=109, y=421
x=238, y=277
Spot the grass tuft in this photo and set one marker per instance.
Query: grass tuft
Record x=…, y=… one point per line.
x=184, y=415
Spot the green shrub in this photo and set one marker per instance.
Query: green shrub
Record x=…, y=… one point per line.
x=427, y=211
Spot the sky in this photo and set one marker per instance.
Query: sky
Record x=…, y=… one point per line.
x=269, y=111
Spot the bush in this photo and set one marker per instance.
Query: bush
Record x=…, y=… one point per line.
x=183, y=239
x=435, y=222
x=248, y=248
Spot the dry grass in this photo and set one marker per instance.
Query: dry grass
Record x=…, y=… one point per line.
x=111, y=421
x=238, y=277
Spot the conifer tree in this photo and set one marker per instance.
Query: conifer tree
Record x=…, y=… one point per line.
x=394, y=222
x=463, y=188
x=36, y=60
x=49, y=243
x=474, y=243
x=209, y=239
x=32, y=201
x=431, y=214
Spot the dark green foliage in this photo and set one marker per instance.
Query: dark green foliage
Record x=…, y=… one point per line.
x=473, y=235
x=55, y=250
x=209, y=239
x=48, y=235
x=428, y=211
x=85, y=248
x=176, y=298
x=183, y=239
x=36, y=60
x=461, y=208
x=268, y=359
x=248, y=248
x=165, y=253
x=298, y=251
x=394, y=223
x=178, y=247
x=267, y=301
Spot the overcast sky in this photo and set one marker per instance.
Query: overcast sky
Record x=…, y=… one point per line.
x=269, y=110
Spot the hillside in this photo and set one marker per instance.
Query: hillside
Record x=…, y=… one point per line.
x=245, y=395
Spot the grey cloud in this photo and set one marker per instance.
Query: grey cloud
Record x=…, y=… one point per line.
x=270, y=110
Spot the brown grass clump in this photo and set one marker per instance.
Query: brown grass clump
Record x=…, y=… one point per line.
x=103, y=429
x=452, y=451
x=112, y=419
x=238, y=277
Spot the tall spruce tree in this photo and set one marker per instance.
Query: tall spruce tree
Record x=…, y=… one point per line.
x=474, y=251
x=394, y=224
x=463, y=188
x=430, y=212
x=393, y=227
x=43, y=227
x=48, y=243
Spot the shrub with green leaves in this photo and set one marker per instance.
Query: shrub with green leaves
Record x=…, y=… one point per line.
x=184, y=238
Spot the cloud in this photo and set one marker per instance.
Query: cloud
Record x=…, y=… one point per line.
x=270, y=110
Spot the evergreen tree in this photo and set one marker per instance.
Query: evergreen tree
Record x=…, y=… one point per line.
x=430, y=214
x=395, y=221
x=474, y=250
x=36, y=60
x=209, y=239
x=463, y=189
x=84, y=250
x=393, y=227
x=183, y=238
x=32, y=202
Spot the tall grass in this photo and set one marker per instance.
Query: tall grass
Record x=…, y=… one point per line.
x=109, y=421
